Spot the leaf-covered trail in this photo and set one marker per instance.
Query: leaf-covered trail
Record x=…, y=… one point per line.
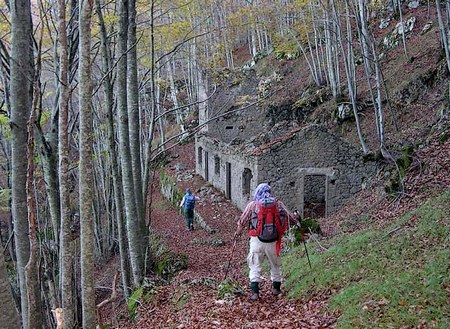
x=191, y=301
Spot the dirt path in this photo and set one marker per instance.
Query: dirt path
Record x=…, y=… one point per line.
x=191, y=300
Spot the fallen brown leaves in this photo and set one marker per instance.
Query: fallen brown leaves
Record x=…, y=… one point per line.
x=189, y=301
x=428, y=175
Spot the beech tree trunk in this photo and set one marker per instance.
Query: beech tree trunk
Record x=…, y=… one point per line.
x=86, y=169
x=151, y=119
x=21, y=102
x=134, y=118
x=134, y=235
x=32, y=273
x=66, y=252
x=116, y=175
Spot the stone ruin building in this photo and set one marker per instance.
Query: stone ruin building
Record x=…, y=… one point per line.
x=309, y=167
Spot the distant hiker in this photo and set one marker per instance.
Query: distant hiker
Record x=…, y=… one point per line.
x=188, y=203
x=266, y=217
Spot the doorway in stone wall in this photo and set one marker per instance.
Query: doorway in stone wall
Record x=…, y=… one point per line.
x=228, y=180
x=206, y=166
x=315, y=196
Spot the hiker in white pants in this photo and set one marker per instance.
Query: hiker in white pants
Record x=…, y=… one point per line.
x=259, y=250
x=264, y=202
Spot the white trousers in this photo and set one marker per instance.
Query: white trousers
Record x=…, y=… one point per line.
x=255, y=258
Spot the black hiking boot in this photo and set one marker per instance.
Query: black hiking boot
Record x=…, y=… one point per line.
x=255, y=291
x=276, y=288
x=254, y=297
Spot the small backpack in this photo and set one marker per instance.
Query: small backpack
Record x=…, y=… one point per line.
x=266, y=223
x=189, y=201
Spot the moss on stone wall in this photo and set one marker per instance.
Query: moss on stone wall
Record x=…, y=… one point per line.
x=169, y=189
x=166, y=263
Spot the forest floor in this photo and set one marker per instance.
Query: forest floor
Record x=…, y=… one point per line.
x=191, y=299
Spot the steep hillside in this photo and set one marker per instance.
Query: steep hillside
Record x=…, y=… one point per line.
x=381, y=261
x=414, y=95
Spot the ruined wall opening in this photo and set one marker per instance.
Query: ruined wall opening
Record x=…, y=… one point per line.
x=314, y=196
x=217, y=165
x=228, y=180
x=200, y=155
x=246, y=179
x=206, y=166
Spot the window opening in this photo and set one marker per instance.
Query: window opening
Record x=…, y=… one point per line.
x=246, y=179
x=200, y=155
x=217, y=165
x=206, y=166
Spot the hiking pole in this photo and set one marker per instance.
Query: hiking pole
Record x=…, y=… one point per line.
x=231, y=256
x=307, y=255
x=299, y=223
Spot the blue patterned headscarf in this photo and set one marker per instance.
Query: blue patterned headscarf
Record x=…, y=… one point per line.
x=262, y=191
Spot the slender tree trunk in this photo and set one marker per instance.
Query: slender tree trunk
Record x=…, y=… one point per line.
x=161, y=120
x=173, y=95
x=349, y=65
x=330, y=50
x=253, y=41
x=31, y=269
x=116, y=176
x=364, y=35
x=66, y=252
x=134, y=234
x=201, y=91
x=151, y=119
x=379, y=106
x=86, y=168
x=32, y=273
x=48, y=147
x=134, y=118
x=21, y=102
x=49, y=152
x=310, y=62
x=318, y=46
x=9, y=318
x=405, y=47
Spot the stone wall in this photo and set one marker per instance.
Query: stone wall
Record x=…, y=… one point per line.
x=238, y=91
x=314, y=151
x=312, y=165
x=220, y=160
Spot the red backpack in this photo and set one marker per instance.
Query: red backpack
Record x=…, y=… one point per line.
x=266, y=223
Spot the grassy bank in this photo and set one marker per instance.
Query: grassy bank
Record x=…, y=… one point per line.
x=394, y=278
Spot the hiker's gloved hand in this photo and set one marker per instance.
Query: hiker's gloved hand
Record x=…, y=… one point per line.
x=237, y=234
x=298, y=218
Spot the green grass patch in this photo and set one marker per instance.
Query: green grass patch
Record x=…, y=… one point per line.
x=181, y=299
x=229, y=288
x=398, y=276
x=133, y=302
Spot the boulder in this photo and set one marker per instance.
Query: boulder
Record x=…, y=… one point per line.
x=413, y=4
